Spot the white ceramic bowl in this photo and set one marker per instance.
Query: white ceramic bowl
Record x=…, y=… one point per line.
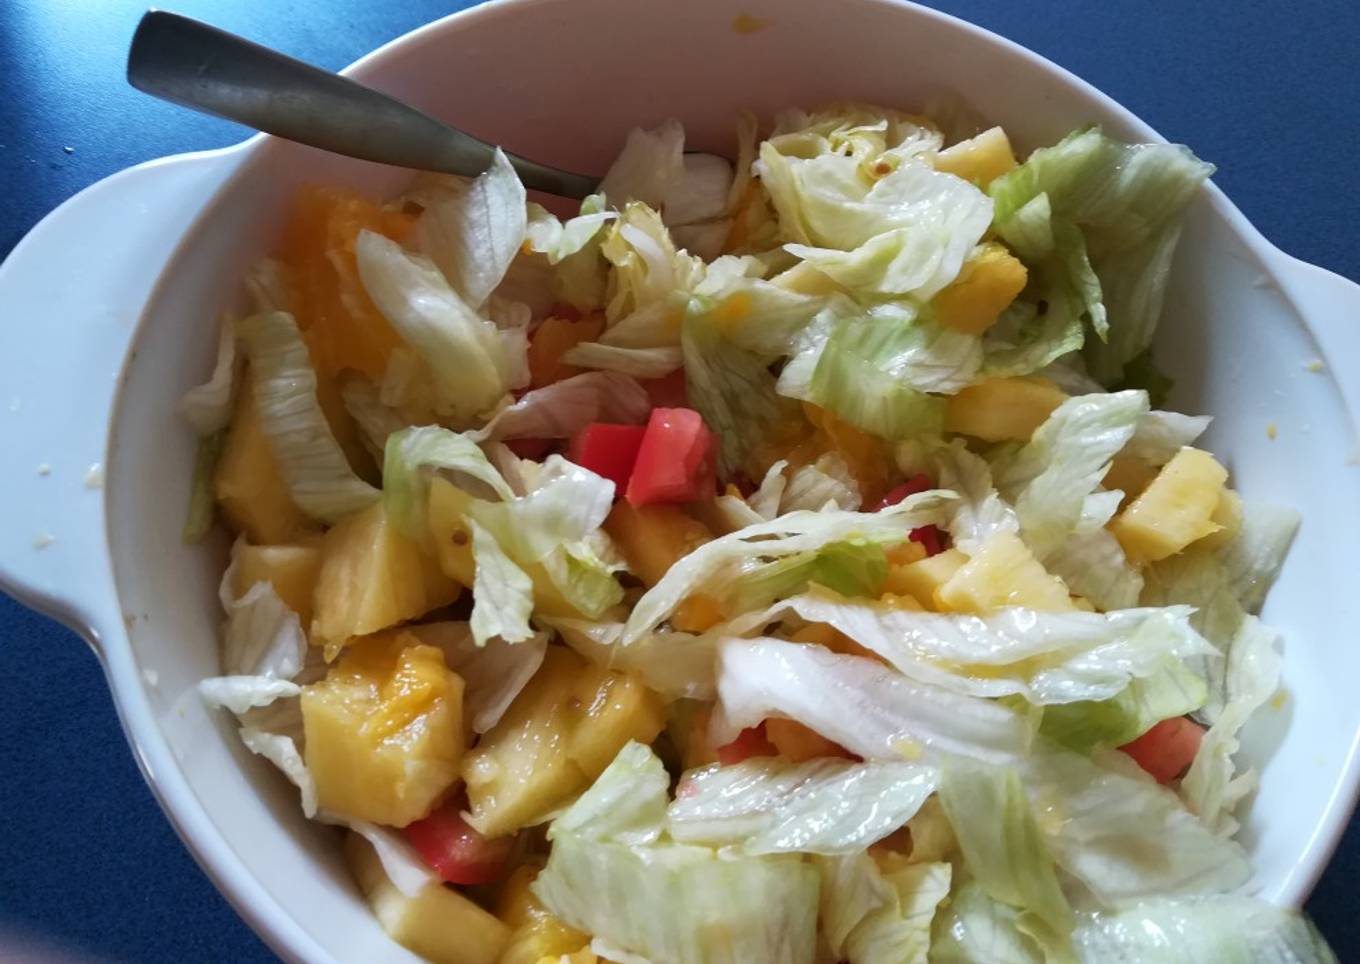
x=162, y=247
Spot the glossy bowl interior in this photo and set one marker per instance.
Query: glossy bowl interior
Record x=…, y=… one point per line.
x=563, y=82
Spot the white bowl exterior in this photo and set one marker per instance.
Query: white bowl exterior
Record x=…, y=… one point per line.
x=559, y=82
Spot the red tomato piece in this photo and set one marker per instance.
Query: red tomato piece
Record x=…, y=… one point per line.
x=563, y=310
x=931, y=537
x=455, y=851
x=913, y=485
x=608, y=450
x=1167, y=750
x=749, y=742
x=676, y=460
x=668, y=391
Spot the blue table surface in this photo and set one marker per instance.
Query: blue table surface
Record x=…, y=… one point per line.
x=89, y=868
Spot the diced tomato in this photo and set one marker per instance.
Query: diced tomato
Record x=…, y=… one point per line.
x=1166, y=750
x=749, y=742
x=608, y=450
x=530, y=448
x=455, y=851
x=675, y=462
x=669, y=391
x=913, y=485
x=931, y=537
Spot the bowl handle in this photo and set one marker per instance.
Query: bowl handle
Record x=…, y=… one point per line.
x=71, y=297
x=1331, y=306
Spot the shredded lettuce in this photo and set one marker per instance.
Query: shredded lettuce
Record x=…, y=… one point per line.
x=562, y=409
x=413, y=455
x=1174, y=690
x=667, y=901
x=1057, y=657
x=309, y=458
x=473, y=235
x=1006, y=853
x=866, y=707
x=821, y=806
x=975, y=929
x=464, y=355
x=716, y=562
x=502, y=593
x=207, y=407
x=880, y=916
x=676, y=665
x=1216, y=930
x=650, y=166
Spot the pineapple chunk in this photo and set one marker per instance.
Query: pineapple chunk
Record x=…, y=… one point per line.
x=453, y=546
x=291, y=570
x=979, y=159
x=1175, y=509
x=899, y=558
x=820, y=634
x=697, y=614
x=373, y=577
x=921, y=579
x=796, y=742
x=1003, y=573
x=248, y=486
x=536, y=933
x=1228, y=517
x=560, y=733
x=384, y=730
x=987, y=283
x=1129, y=475
x=439, y=923
x=1000, y=409
x=653, y=537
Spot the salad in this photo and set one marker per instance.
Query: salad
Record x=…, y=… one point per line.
x=779, y=560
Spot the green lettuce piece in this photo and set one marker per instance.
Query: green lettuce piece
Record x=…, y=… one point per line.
x=1004, y=850
x=822, y=806
x=610, y=874
x=873, y=916
x=1049, y=478
x=1217, y=930
x=850, y=567
x=1086, y=724
x=975, y=929
x=502, y=594
x=320, y=480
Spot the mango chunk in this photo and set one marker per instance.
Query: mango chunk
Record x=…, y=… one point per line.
x=536, y=933
x=980, y=159
x=384, y=730
x=921, y=580
x=1000, y=409
x=291, y=570
x=1175, y=509
x=1003, y=573
x=373, y=577
x=248, y=485
x=560, y=733
x=987, y=283
x=439, y=923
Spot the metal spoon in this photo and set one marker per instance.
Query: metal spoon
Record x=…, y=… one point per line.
x=190, y=63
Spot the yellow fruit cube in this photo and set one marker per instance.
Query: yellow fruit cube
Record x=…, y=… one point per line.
x=439, y=923
x=653, y=537
x=987, y=283
x=1129, y=475
x=453, y=548
x=291, y=570
x=536, y=933
x=980, y=159
x=373, y=577
x=1003, y=573
x=1228, y=517
x=922, y=579
x=697, y=614
x=560, y=733
x=796, y=742
x=384, y=730
x=248, y=485
x=1175, y=509
x=1000, y=409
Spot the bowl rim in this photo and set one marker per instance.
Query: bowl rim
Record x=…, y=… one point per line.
x=266, y=915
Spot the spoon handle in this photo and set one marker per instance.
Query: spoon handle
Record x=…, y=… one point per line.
x=195, y=65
